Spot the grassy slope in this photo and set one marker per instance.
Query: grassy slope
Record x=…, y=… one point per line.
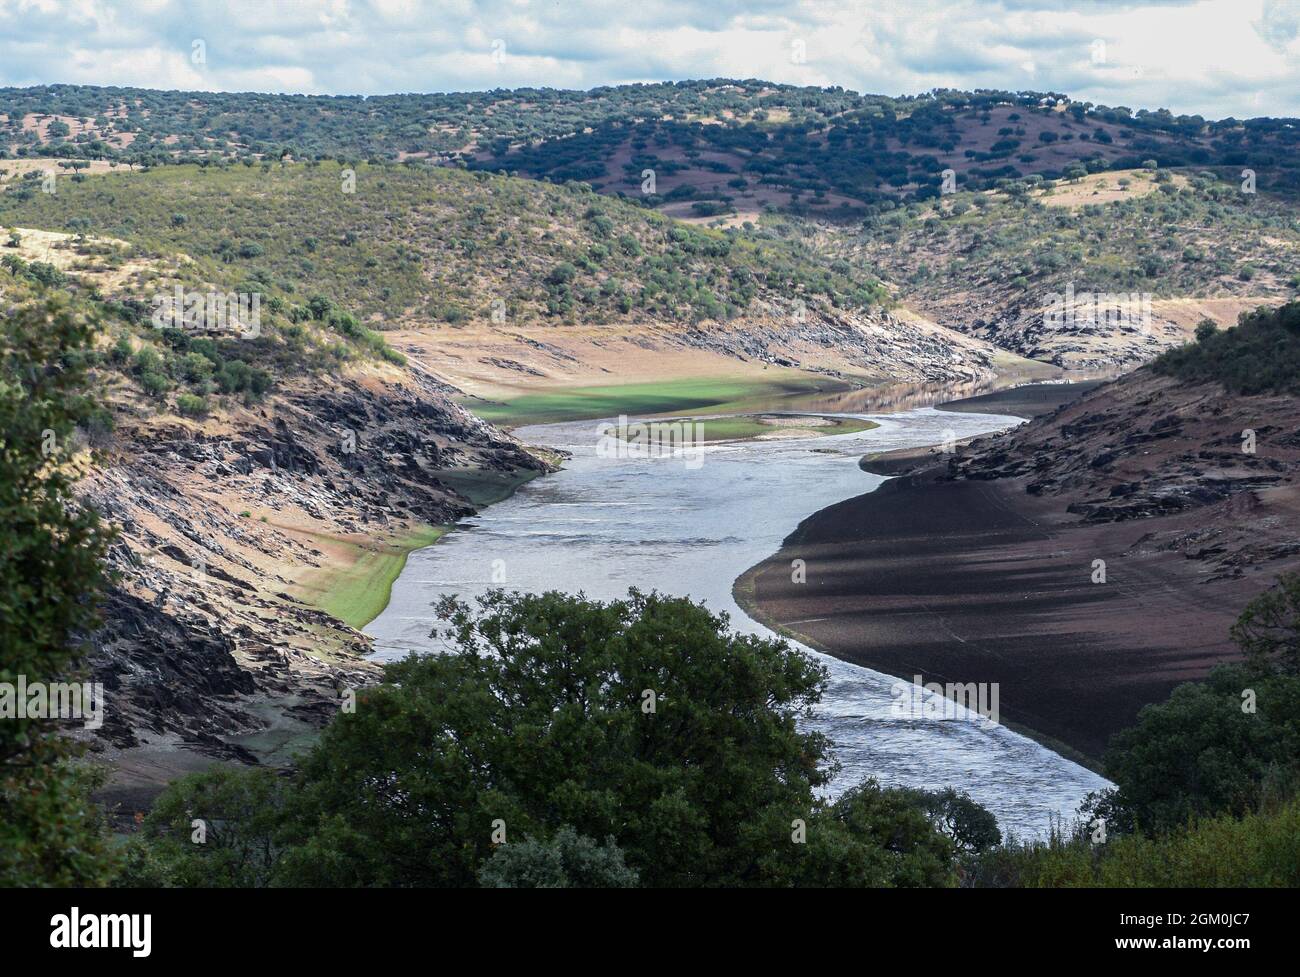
x=357, y=590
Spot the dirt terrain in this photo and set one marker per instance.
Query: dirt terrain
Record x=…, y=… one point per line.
x=1087, y=562
x=231, y=527
x=496, y=362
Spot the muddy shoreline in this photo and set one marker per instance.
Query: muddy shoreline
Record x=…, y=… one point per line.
x=988, y=578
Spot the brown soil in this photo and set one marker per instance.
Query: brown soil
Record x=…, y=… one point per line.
x=982, y=570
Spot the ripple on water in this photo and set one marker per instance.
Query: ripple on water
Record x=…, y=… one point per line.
x=658, y=523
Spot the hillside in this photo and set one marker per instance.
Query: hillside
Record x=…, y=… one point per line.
x=266, y=480
x=269, y=478
x=269, y=472
x=758, y=143
x=1088, y=561
x=990, y=263
x=499, y=268
x=783, y=195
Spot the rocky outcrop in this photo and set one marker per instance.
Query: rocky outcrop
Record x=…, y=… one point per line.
x=207, y=635
x=877, y=344
x=1148, y=446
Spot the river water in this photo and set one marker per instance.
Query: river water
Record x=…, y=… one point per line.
x=688, y=525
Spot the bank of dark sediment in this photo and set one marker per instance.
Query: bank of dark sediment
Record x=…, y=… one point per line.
x=980, y=567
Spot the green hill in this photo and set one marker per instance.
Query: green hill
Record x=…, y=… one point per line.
x=415, y=244
x=712, y=141
x=1259, y=355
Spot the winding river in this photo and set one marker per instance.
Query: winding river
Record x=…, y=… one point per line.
x=690, y=526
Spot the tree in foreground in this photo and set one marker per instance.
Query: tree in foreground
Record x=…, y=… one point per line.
x=1224, y=746
x=50, y=573
x=572, y=742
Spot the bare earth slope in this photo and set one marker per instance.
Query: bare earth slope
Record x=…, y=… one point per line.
x=982, y=569
x=231, y=528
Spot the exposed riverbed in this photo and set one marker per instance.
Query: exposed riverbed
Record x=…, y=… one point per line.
x=688, y=526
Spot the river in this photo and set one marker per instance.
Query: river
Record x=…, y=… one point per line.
x=689, y=526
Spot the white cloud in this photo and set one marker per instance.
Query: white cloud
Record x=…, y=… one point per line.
x=1213, y=57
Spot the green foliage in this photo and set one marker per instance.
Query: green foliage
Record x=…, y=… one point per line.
x=540, y=726
x=444, y=245
x=971, y=827
x=567, y=861
x=809, y=140
x=538, y=721
x=1203, y=753
x=1260, y=355
x=236, y=376
x=1254, y=851
x=190, y=405
x=1225, y=746
x=235, y=844
x=50, y=575
x=1268, y=631
x=1152, y=243
x=1207, y=783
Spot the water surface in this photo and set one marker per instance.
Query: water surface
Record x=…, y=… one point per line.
x=689, y=526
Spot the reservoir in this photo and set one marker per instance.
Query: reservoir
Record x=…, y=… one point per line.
x=688, y=526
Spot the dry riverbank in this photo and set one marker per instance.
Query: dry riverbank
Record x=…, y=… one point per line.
x=981, y=568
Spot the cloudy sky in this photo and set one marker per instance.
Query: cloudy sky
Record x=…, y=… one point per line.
x=1212, y=57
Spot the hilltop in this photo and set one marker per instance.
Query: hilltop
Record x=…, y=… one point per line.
x=1177, y=246
x=757, y=143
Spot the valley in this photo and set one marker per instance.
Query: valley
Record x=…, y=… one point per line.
x=968, y=378
x=469, y=296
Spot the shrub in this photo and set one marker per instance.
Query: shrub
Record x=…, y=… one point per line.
x=191, y=406
x=568, y=861
x=154, y=384
x=1261, y=354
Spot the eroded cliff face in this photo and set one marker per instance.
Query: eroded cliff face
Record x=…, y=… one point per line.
x=232, y=527
x=876, y=346
x=1149, y=446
